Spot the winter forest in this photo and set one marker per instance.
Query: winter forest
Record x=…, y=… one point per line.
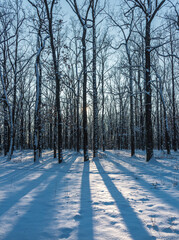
x=103, y=79
x=89, y=90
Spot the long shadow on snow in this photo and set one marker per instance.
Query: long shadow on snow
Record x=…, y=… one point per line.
x=132, y=221
x=27, y=187
x=5, y=178
x=16, y=196
x=18, y=174
x=41, y=211
x=26, y=170
x=18, y=170
x=85, y=228
x=149, y=168
x=142, y=161
x=15, y=171
x=157, y=192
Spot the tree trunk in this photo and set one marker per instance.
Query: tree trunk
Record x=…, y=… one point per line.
x=22, y=127
x=6, y=145
x=85, y=131
x=131, y=109
x=148, y=92
x=103, y=123
x=29, y=128
x=36, y=114
x=173, y=97
x=39, y=112
x=55, y=136
x=37, y=122
x=10, y=125
x=158, y=126
x=95, y=106
x=15, y=90
x=77, y=116
x=57, y=79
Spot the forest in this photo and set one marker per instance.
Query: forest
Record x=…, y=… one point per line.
x=89, y=119
x=89, y=75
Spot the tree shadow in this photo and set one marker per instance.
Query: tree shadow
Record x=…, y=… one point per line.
x=36, y=211
x=23, y=169
x=16, y=196
x=5, y=178
x=160, y=194
x=19, y=169
x=141, y=160
x=85, y=217
x=153, y=168
x=133, y=223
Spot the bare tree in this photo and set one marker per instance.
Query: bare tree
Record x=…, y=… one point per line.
x=10, y=115
x=84, y=23
x=126, y=30
x=150, y=9
x=49, y=10
x=95, y=107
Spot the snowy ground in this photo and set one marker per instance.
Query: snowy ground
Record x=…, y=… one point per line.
x=114, y=198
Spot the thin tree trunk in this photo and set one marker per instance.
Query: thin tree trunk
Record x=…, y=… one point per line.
x=22, y=127
x=131, y=110
x=39, y=112
x=29, y=128
x=85, y=131
x=158, y=128
x=57, y=78
x=55, y=136
x=10, y=118
x=103, y=124
x=148, y=92
x=37, y=128
x=66, y=128
x=173, y=97
x=15, y=90
x=36, y=113
x=50, y=132
x=95, y=106
x=167, y=136
x=6, y=147
x=77, y=118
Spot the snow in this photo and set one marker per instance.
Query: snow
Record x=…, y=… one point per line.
x=115, y=197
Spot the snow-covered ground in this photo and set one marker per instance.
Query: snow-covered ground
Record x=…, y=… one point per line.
x=115, y=197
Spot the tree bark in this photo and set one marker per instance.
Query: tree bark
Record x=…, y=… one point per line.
x=131, y=108
x=148, y=92
x=173, y=96
x=57, y=79
x=85, y=131
x=103, y=99
x=95, y=98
